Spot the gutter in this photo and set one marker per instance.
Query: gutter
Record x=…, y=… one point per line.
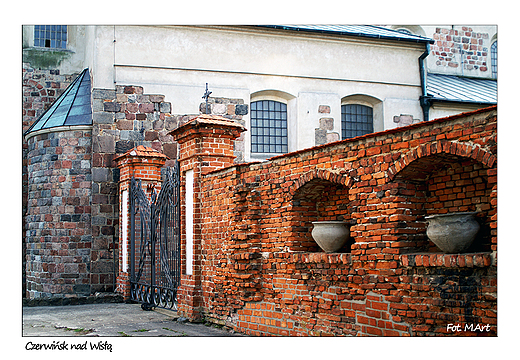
x=464, y=102
x=418, y=39
x=425, y=100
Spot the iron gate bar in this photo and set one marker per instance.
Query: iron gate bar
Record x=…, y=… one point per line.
x=159, y=220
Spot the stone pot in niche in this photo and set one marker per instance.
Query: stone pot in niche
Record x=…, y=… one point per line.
x=453, y=232
x=330, y=235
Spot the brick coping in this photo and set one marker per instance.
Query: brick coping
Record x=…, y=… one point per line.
x=389, y=131
x=480, y=259
x=357, y=138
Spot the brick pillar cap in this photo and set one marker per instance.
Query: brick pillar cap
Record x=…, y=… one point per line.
x=206, y=119
x=141, y=151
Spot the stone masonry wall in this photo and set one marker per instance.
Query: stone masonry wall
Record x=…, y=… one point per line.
x=59, y=236
x=451, y=44
x=40, y=88
x=263, y=275
x=123, y=119
x=232, y=109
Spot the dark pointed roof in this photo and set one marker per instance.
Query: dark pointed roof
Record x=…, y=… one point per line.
x=72, y=108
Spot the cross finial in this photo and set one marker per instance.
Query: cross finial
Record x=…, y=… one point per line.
x=206, y=96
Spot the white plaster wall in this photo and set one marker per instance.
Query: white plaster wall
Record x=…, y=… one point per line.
x=79, y=52
x=124, y=230
x=189, y=222
x=439, y=110
x=235, y=61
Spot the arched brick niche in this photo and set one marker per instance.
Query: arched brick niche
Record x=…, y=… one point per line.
x=319, y=195
x=446, y=182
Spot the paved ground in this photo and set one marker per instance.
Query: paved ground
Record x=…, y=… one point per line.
x=110, y=319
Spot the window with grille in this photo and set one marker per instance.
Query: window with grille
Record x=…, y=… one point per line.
x=494, y=58
x=50, y=36
x=356, y=120
x=268, y=127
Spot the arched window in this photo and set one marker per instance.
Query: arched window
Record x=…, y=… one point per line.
x=356, y=120
x=268, y=127
x=494, y=60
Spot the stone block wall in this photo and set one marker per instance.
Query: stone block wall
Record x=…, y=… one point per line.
x=262, y=274
x=232, y=109
x=450, y=45
x=59, y=233
x=324, y=134
x=123, y=118
x=40, y=88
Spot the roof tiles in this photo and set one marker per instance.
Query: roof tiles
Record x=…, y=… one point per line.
x=142, y=151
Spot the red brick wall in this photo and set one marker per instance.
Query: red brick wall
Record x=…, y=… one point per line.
x=205, y=144
x=262, y=273
x=144, y=164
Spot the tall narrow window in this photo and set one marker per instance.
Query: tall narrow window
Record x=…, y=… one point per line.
x=494, y=60
x=50, y=36
x=268, y=127
x=356, y=120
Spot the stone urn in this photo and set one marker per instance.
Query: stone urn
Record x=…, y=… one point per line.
x=453, y=232
x=330, y=235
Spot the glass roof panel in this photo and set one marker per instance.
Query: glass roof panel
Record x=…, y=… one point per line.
x=75, y=102
x=54, y=121
x=76, y=120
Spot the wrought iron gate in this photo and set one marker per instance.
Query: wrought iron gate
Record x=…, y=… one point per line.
x=155, y=242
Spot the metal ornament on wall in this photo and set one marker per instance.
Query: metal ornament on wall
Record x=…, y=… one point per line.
x=155, y=232
x=206, y=95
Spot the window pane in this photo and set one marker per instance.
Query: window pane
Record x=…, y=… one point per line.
x=268, y=131
x=53, y=36
x=356, y=120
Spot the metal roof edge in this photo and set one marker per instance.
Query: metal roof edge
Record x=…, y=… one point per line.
x=419, y=39
x=468, y=102
x=462, y=76
x=27, y=136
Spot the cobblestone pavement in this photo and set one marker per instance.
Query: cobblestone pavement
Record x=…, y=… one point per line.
x=111, y=319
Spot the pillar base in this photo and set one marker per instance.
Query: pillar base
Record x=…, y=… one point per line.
x=123, y=285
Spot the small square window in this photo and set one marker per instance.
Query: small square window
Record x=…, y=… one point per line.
x=50, y=36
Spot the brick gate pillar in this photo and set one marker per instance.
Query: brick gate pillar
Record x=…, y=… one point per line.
x=144, y=163
x=205, y=144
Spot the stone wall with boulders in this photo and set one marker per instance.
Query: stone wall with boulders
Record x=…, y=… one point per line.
x=58, y=222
